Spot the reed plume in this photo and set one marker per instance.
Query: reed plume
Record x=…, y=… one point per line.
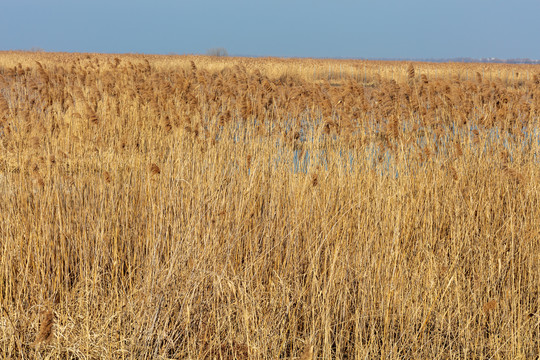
x=307, y=354
x=154, y=169
x=410, y=72
x=45, y=332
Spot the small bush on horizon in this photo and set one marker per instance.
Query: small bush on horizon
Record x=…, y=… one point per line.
x=217, y=52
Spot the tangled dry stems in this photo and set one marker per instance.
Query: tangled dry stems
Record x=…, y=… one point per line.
x=193, y=207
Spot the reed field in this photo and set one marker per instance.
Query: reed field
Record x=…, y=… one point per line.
x=192, y=207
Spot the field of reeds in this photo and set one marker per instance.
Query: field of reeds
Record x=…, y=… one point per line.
x=189, y=207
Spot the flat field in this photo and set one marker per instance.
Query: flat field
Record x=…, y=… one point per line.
x=190, y=207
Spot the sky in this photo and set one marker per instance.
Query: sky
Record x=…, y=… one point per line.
x=383, y=29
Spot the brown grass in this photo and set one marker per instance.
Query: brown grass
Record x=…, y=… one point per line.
x=195, y=207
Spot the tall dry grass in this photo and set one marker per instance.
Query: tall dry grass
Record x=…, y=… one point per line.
x=193, y=207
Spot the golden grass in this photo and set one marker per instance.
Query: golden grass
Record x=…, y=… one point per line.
x=176, y=207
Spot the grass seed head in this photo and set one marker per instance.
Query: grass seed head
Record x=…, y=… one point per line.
x=154, y=169
x=107, y=177
x=45, y=332
x=489, y=306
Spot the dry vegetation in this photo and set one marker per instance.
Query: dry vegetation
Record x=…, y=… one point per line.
x=194, y=207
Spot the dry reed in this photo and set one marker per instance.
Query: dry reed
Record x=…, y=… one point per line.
x=194, y=207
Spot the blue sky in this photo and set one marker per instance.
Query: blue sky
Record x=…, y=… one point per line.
x=289, y=28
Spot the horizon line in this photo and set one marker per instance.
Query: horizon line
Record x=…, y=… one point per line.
x=463, y=59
